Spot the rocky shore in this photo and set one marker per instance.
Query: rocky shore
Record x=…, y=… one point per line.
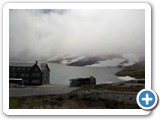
x=136, y=70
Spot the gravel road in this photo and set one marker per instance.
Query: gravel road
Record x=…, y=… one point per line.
x=40, y=90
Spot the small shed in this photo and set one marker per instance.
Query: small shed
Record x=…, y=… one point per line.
x=82, y=81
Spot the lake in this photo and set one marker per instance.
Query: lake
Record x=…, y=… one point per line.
x=61, y=74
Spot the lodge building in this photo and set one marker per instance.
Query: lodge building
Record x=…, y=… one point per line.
x=29, y=73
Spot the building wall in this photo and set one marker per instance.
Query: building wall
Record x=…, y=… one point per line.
x=36, y=76
x=82, y=81
x=31, y=75
x=20, y=72
x=46, y=76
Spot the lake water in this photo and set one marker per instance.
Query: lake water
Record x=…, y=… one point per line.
x=61, y=74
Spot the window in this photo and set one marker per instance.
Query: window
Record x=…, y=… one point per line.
x=28, y=68
x=22, y=74
x=36, y=69
x=14, y=74
x=35, y=74
x=27, y=75
x=38, y=75
x=18, y=68
x=23, y=68
x=10, y=74
x=13, y=68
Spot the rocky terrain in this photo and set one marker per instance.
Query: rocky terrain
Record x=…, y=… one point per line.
x=136, y=70
x=104, y=96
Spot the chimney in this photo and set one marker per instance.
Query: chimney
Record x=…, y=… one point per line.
x=36, y=62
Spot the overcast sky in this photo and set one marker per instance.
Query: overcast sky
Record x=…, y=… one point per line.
x=43, y=34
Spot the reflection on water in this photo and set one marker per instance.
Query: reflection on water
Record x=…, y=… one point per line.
x=61, y=74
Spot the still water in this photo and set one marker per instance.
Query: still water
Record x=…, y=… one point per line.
x=60, y=74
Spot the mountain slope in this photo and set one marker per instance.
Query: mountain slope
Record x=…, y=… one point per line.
x=95, y=61
x=136, y=70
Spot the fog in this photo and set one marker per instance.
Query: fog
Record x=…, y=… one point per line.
x=43, y=34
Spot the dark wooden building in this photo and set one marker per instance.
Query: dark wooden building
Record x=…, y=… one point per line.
x=82, y=81
x=29, y=73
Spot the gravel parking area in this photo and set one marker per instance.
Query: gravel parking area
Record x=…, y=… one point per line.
x=40, y=90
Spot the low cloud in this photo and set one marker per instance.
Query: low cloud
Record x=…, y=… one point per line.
x=43, y=34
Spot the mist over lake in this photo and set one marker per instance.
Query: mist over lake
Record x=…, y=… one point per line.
x=61, y=74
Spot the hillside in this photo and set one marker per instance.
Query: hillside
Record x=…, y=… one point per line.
x=95, y=61
x=136, y=70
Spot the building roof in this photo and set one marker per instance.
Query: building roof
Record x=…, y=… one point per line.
x=43, y=65
x=21, y=64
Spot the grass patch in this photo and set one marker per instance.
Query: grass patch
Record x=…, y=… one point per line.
x=35, y=102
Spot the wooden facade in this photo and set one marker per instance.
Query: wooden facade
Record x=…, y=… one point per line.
x=30, y=73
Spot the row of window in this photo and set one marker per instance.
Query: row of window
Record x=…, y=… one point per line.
x=24, y=74
x=23, y=68
x=35, y=74
x=20, y=68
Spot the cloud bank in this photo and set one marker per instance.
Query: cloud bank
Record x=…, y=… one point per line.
x=43, y=34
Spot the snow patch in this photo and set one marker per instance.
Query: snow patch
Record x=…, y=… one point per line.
x=107, y=63
x=132, y=59
x=76, y=59
x=126, y=78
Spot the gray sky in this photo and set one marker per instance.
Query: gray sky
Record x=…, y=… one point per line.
x=43, y=34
